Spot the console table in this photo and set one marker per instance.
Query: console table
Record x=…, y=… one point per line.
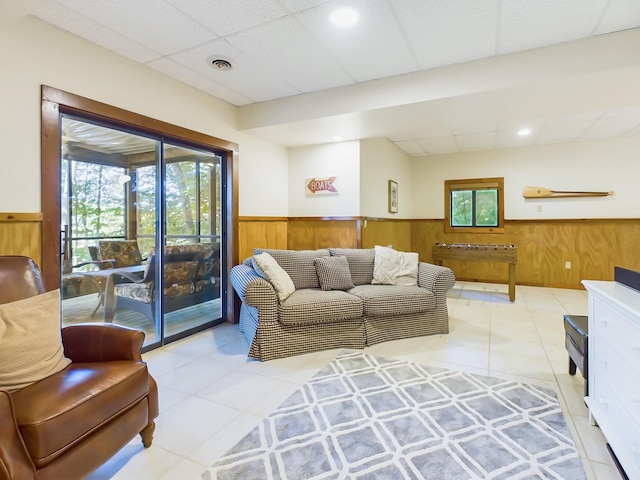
x=479, y=252
x=614, y=369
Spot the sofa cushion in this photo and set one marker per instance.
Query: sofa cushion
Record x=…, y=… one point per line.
x=277, y=276
x=381, y=300
x=298, y=264
x=333, y=273
x=30, y=342
x=360, y=263
x=395, y=268
x=86, y=395
x=309, y=306
x=124, y=252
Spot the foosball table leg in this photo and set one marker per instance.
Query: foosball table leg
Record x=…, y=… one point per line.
x=512, y=282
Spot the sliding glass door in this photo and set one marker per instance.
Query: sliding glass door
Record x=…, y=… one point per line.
x=141, y=231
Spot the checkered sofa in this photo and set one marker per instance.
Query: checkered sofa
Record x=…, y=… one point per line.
x=313, y=319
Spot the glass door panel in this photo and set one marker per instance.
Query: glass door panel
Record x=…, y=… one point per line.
x=191, y=264
x=104, y=258
x=141, y=229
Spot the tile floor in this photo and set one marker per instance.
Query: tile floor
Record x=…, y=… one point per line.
x=211, y=394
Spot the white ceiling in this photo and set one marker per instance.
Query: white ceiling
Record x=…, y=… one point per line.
x=433, y=76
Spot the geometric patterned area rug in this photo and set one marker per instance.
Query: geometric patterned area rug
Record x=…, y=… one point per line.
x=370, y=418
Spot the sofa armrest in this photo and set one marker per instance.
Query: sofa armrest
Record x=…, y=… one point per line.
x=242, y=276
x=15, y=463
x=101, y=343
x=437, y=279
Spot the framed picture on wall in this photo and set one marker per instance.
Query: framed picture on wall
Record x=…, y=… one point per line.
x=393, y=196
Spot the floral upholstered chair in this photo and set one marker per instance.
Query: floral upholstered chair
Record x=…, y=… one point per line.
x=120, y=253
x=191, y=275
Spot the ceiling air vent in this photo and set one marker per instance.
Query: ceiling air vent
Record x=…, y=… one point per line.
x=220, y=64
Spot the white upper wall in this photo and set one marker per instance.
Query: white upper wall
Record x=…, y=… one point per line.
x=272, y=184
x=608, y=165
x=340, y=160
x=34, y=53
x=381, y=161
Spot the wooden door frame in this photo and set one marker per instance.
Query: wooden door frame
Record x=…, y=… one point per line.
x=56, y=102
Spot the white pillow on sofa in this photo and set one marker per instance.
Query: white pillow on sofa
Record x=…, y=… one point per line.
x=30, y=341
x=275, y=274
x=391, y=267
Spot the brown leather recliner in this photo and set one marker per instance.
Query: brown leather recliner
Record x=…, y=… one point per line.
x=68, y=424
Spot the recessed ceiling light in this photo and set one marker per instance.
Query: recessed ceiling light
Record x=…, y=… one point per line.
x=344, y=17
x=524, y=132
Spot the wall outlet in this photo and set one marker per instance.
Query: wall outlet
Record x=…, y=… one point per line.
x=567, y=265
x=538, y=208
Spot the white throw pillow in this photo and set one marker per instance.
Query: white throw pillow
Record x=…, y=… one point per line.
x=391, y=267
x=30, y=341
x=281, y=281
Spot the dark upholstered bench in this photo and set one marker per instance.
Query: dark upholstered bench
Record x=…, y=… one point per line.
x=576, y=342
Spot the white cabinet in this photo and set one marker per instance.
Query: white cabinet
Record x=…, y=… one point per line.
x=614, y=368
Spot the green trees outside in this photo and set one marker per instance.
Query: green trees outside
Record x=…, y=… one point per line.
x=97, y=201
x=474, y=208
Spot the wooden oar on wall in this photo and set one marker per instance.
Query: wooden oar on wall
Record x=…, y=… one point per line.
x=541, y=192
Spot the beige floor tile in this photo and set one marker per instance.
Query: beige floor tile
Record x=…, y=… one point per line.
x=225, y=438
x=605, y=471
x=211, y=394
x=134, y=461
x=184, y=427
x=190, y=377
x=461, y=356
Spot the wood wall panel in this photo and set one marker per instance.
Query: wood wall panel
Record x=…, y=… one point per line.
x=387, y=232
x=21, y=234
x=312, y=233
x=593, y=247
x=261, y=232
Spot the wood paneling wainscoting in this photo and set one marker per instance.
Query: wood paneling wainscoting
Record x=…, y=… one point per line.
x=388, y=232
x=261, y=232
x=592, y=246
x=21, y=234
x=311, y=233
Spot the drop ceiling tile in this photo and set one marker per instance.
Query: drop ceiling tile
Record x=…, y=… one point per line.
x=246, y=77
x=179, y=72
x=562, y=131
x=410, y=147
x=620, y=15
x=229, y=16
x=152, y=23
x=286, y=47
x=610, y=128
x=434, y=145
x=476, y=141
x=534, y=124
x=473, y=124
x=83, y=27
x=438, y=40
x=631, y=111
x=525, y=24
x=374, y=48
x=633, y=133
x=400, y=137
x=298, y=5
x=510, y=138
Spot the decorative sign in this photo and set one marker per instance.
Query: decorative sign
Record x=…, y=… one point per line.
x=321, y=186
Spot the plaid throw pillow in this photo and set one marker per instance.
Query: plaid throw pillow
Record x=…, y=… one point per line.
x=360, y=263
x=333, y=273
